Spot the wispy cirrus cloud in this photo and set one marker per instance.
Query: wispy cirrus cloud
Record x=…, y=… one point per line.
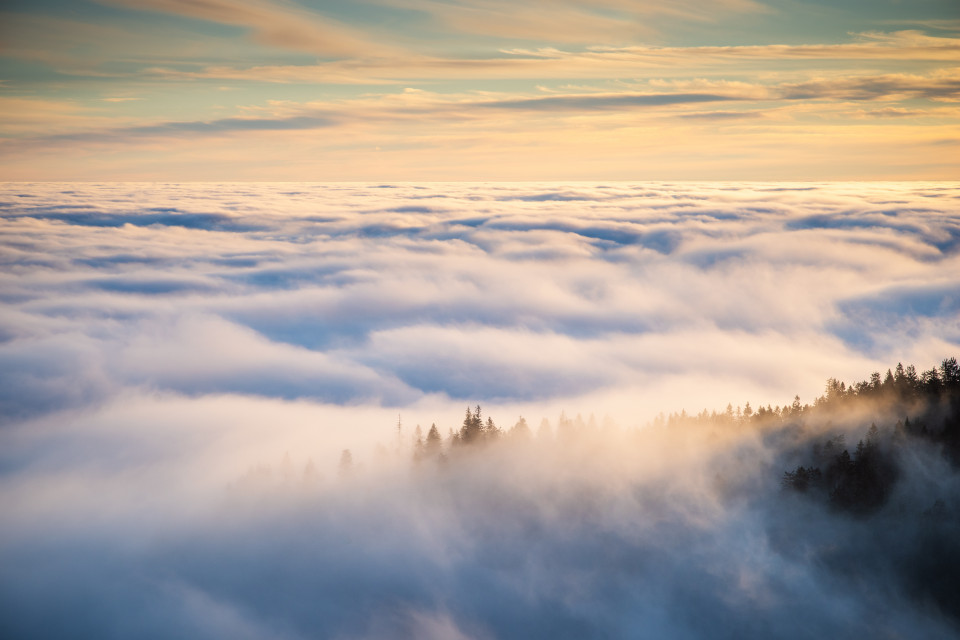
x=111, y=48
x=940, y=86
x=175, y=130
x=603, y=102
x=901, y=112
x=721, y=115
x=595, y=62
x=944, y=24
x=490, y=75
x=914, y=45
x=383, y=109
x=275, y=23
x=403, y=134
x=29, y=114
x=568, y=20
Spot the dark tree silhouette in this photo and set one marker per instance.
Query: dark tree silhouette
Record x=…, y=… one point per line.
x=472, y=429
x=491, y=432
x=433, y=444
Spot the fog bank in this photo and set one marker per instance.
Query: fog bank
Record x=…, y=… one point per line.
x=183, y=366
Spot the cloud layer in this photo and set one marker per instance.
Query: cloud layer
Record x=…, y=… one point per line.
x=392, y=293
x=161, y=343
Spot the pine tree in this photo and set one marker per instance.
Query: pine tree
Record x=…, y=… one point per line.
x=796, y=408
x=873, y=435
x=418, y=444
x=931, y=382
x=520, y=431
x=433, y=444
x=472, y=429
x=491, y=432
x=466, y=428
x=950, y=373
x=913, y=380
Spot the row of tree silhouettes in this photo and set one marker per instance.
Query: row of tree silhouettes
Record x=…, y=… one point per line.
x=901, y=383
x=914, y=411
x=473, y=431
x=933, y=396
x=921, y=407
x=857, y=482
x=899, y=390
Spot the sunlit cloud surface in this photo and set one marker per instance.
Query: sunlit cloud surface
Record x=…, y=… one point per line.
x=394, y=293
x=182, y=367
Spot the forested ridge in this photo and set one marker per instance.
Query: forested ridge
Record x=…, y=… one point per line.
x=861, y=481
x=921, y=406
x=852, y=450
x=861, y=487
x=898, y=482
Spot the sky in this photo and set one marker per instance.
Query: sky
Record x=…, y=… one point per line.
x=427, y=90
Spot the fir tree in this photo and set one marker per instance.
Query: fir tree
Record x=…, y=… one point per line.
x=433, y=444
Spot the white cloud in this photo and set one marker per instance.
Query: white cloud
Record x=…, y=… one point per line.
x=174, y=357
x=279, y=24
x=348, y=293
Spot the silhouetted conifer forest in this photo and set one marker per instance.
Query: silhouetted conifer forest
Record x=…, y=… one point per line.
x=861, y=485
x=857, y=482
x=897, y=414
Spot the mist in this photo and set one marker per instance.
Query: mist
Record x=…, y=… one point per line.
x=184, y=366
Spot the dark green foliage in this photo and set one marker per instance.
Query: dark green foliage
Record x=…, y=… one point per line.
x=857, y=484
x=862, y=482
x=802, y=479
x=950, y=372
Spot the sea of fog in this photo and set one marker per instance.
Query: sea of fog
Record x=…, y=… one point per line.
x=182, y=366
